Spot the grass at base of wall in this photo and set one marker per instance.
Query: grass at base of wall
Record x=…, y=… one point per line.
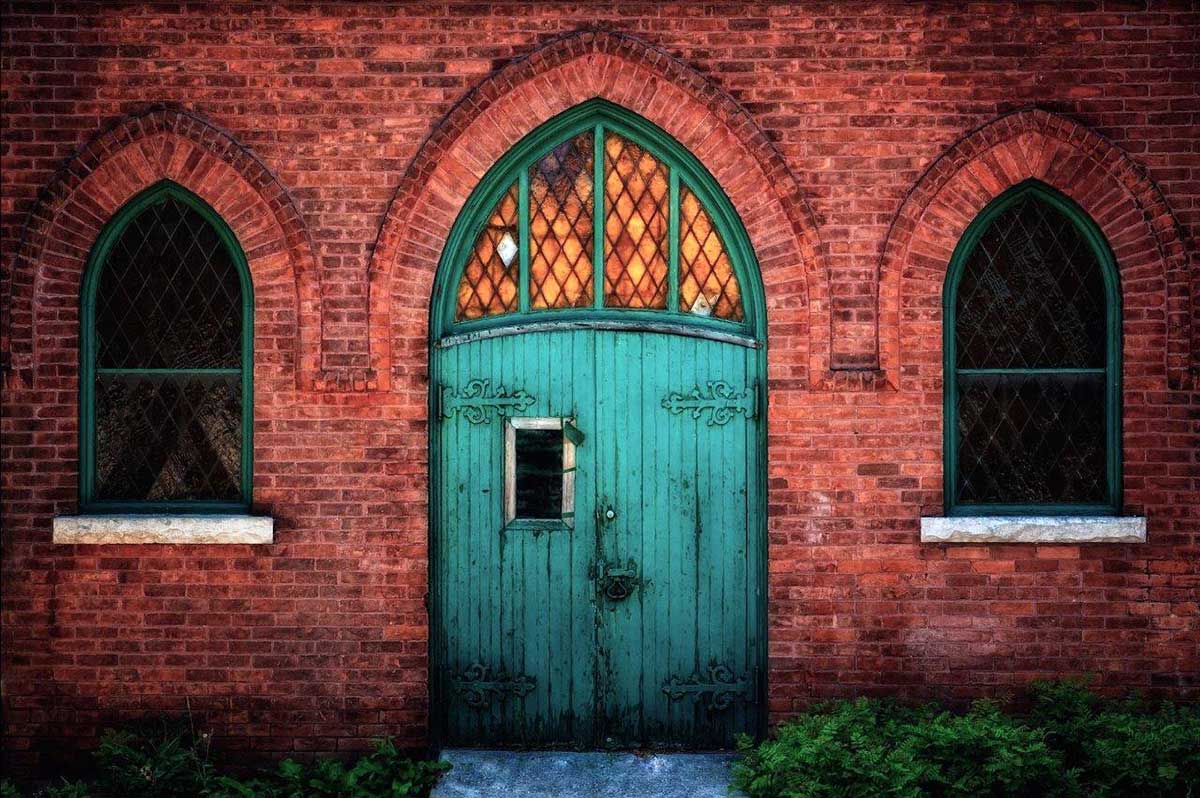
x=1070, y=743
x=165, y=759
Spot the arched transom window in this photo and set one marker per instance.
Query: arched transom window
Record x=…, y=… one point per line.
x=167, y=329
x=1032, y=349
x=598, y=210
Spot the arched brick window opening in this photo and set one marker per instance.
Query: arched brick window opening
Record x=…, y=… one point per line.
x=600, y=215
x=1031, y=318
x=167, y=331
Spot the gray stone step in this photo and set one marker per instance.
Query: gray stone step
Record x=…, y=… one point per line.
x=567, y=774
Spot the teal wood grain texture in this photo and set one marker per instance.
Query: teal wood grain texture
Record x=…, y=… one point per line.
x=657, y=583
x=641, y=621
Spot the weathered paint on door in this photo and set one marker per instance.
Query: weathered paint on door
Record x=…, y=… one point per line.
x=639, y=624
x=635, y=616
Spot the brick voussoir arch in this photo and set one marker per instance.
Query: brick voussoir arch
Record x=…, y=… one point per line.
x=558, y=75
x=1147, y=240
x=42, y=295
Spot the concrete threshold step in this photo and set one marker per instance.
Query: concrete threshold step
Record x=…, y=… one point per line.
x=596, y=774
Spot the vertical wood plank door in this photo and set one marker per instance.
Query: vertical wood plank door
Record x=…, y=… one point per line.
x=624, y=605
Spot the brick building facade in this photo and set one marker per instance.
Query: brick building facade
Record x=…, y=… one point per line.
x=339, y=142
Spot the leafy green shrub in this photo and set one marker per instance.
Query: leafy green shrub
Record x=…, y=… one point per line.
x=158, y=759
x=384, y=773
x=1121, y=747
x=171, y=761
x=869, y=748
x=1071, y=744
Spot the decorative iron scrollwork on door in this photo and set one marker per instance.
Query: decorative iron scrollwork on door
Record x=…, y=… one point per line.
x=479, y=686
x=719, y=399
x=616, y=582
x=479, y=403
x=718, y=687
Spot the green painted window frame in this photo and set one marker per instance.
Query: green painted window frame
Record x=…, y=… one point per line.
x=1112, y=393
x=599, y=116
x=97, y=259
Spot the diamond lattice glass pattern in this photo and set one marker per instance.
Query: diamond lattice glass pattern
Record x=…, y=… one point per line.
x=1031, y=294
x=561, y=202
x=636, y=194
x=1031, y=439
x=169, y=295
x=168, y=437
x=708, y=285
x=489, y=280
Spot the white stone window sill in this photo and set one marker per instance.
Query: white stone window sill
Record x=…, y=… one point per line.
x=164, y=529
x=1034, y=529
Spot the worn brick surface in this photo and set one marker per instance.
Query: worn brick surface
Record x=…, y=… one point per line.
x=340, y=139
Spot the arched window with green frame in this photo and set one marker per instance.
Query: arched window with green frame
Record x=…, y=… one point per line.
x=598, y=215
x=166, y=360
x=1032, y=347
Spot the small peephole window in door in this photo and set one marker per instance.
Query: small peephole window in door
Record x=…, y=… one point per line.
x=539, y=465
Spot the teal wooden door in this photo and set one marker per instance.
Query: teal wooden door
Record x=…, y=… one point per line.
x=515, y=606
x=676, y=476
x=597, y=451
x=635, y=621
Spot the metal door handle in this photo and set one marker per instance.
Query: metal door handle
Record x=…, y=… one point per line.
x=617, y=583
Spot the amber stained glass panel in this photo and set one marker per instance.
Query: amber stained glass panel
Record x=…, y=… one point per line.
x=636, y=211
x=561, y=202
x=708, y=285
x=489, y=284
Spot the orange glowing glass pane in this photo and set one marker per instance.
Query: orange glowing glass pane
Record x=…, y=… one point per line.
x=636, y=193
x=708, y=285
x=489, y=280
x=560, y=226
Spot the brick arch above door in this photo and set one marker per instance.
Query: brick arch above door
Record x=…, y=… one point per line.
x=42, y=297
x=630, y=73
x=1147, y=241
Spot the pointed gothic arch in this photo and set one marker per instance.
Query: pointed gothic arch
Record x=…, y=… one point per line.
x=42, y=295
x=629, y=73
x=1148, y=243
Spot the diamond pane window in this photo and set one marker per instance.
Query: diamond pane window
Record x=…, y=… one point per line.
x=1031, y=358
x=636, y=207
x=168, y=437
x=598, y=218
x=561, y=202
x=1031, y=294
x=708, y=285
x=1031, y=439
x=489, y=280
x=166, y=335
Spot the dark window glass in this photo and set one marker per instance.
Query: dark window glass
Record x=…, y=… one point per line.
x=167, y=391
x=168, y=437
x=169, y=295
x=539, y=477
x=1031, y=294
x=1030, y=334
x=1031, y=439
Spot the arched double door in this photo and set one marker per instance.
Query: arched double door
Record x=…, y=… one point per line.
x=597, y=450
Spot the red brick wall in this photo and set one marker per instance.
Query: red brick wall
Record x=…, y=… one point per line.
x=339, y=140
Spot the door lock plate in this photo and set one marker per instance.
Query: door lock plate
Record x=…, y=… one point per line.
x=616, y=582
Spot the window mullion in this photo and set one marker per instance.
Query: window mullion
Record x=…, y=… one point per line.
x=228, y=372
x=523, y=240
x=1026, y=372
x=673, y=241
x=598, y=217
